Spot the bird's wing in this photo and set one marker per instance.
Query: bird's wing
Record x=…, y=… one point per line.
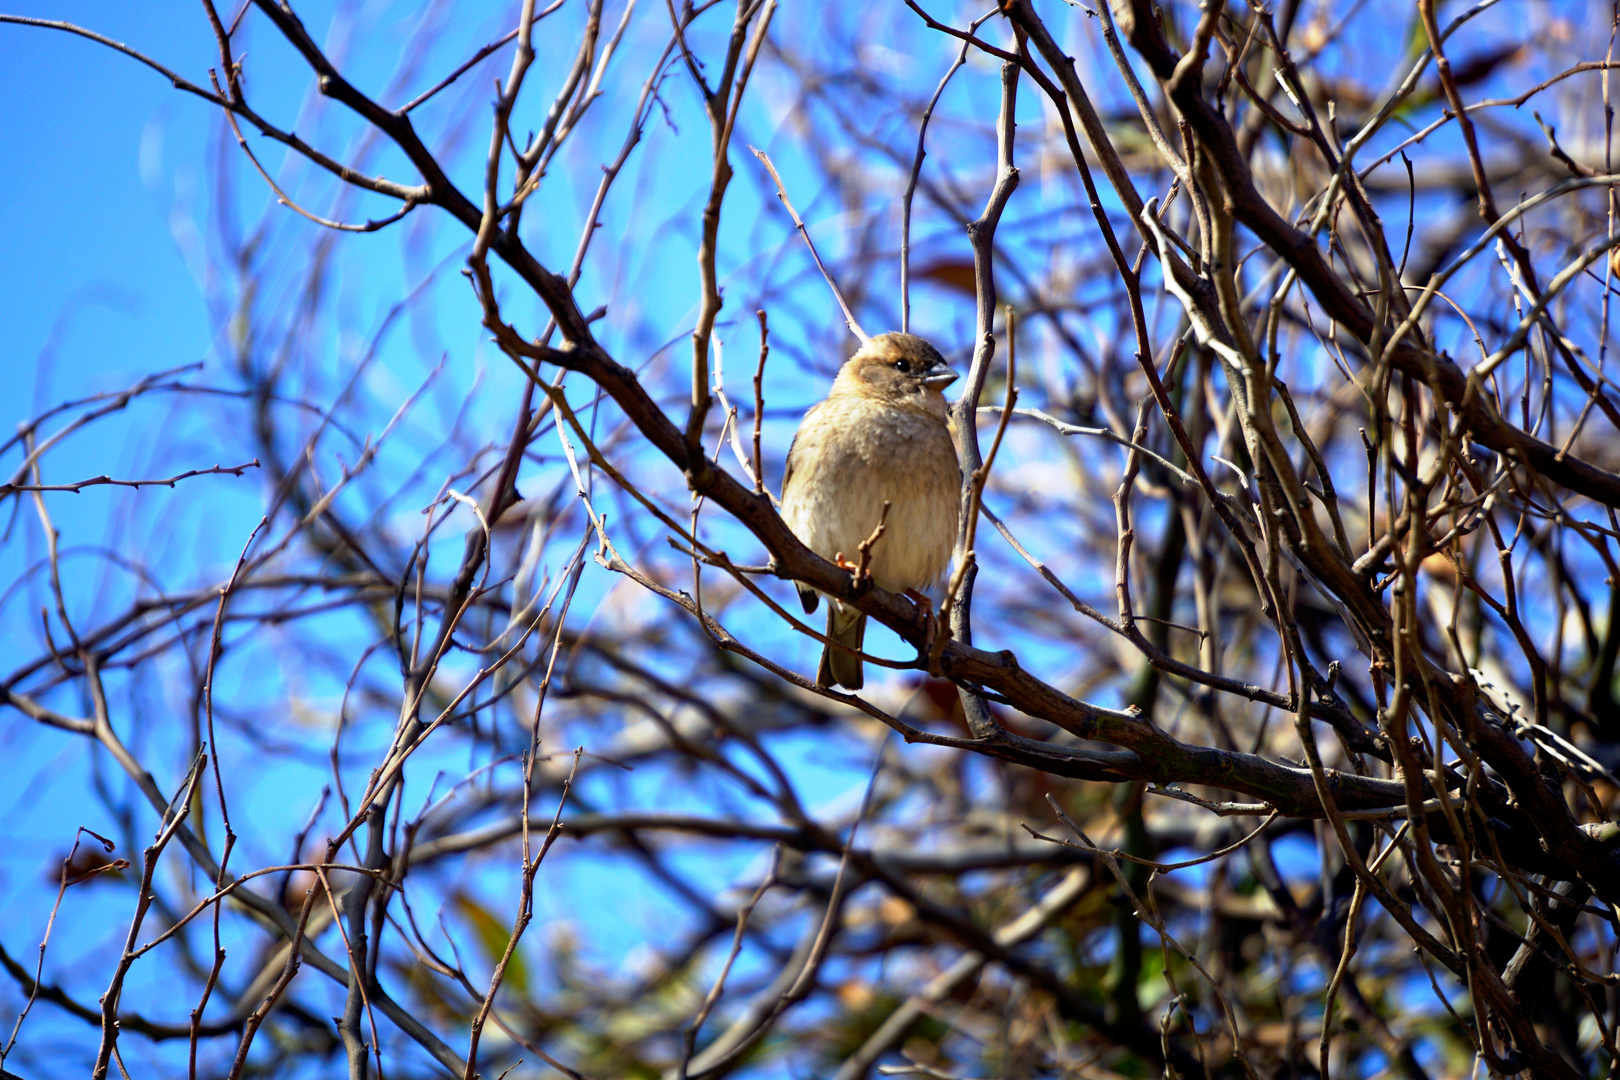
x=807, y=596
x=793, y=447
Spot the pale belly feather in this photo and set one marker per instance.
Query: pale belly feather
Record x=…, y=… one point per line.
x=841, y=480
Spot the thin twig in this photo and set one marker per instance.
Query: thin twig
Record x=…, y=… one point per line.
x=781, y=191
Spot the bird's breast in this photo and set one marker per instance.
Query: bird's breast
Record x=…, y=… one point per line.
x=852, y=457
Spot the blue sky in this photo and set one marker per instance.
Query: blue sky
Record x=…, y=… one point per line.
x=86, y=235
x=107, y=205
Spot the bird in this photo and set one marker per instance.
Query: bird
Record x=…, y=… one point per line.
x=881, y=436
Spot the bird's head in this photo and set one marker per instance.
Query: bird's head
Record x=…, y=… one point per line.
x=901, y=369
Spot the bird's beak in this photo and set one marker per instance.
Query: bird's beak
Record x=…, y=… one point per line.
x=939, y=379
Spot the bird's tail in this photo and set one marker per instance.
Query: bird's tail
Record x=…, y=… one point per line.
x=847, y=626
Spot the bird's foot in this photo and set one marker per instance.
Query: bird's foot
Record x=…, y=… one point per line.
x=931, y=644
x=862, y=576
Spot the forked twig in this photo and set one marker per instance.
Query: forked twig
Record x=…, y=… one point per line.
x=863, y=571
x=689, y=1045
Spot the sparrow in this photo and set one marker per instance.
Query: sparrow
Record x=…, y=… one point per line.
x=881, y=436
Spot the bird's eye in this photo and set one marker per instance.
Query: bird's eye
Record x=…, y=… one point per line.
x=902, y=365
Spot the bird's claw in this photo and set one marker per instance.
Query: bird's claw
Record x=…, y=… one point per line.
x=930, y=629
x=862, y=577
